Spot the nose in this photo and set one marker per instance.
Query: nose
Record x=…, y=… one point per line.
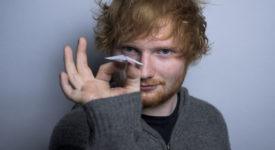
x=147, y=69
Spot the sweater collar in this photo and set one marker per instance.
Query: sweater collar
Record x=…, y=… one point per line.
x=183, y=102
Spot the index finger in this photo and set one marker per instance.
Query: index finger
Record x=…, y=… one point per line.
x=82, y=61
x=106, y=71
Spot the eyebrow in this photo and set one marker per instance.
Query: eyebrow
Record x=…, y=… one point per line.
x=126, y=45
x=155, y=48
x=129, y=45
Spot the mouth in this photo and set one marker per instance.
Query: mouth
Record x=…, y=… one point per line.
x=147, y=88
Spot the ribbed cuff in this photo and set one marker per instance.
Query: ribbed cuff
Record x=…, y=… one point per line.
x=114, y=114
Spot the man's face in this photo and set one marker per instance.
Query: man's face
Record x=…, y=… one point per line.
x=163, y=67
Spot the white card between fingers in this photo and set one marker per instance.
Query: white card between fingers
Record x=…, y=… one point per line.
x=123, y=58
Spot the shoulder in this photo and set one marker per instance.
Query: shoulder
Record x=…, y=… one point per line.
x=204, y=109
x=71, y=131
x=201, y=110
x=204, y=122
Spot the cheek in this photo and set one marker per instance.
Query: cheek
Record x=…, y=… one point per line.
x=170, y=69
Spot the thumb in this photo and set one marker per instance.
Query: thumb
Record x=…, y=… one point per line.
x=133, y=78
x=133, y=72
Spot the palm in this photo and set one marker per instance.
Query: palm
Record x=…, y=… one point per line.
x=79, y=83
x=95, y=86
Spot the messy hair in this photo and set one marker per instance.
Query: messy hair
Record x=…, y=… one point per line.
x=125, y=20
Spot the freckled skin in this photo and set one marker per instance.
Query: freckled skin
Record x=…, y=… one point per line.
x=165, y=70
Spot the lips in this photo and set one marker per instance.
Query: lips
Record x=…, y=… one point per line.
x=147, y=88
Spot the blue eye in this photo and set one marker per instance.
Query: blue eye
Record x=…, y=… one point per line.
x=165, y=52
x=129, y=49
x=131, y=52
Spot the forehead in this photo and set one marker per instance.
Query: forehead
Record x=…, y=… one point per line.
x=152, y=42
x=164, y=30
x=162, y=38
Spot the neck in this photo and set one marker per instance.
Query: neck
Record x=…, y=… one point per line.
x=164, y=109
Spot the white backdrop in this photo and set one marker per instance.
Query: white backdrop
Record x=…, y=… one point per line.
x=237, y=76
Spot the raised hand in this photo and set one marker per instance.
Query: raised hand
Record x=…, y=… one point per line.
x=81, y=86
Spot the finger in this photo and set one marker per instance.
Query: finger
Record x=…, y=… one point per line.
x=71, y=69
x=120, y=65
x=105, y=71
x=118, y=91
x=67, y=88
x=81, y=60
x=132, y=72
x=133, y=78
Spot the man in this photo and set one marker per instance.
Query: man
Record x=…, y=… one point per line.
x=150, y=110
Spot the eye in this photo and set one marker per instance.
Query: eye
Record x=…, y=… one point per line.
x=165, y=52
x=130, y=51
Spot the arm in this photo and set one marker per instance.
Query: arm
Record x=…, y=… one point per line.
x=109, y=127
x=71, y=132
x=111, y=123
x=115, y=122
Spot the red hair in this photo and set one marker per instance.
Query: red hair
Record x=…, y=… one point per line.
x=125, y=20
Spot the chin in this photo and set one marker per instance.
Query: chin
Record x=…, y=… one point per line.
x=157, y=97
x=153, y=99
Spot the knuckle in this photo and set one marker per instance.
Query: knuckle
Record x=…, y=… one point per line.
x=104, y=66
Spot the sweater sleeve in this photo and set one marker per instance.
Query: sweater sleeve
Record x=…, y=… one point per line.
x=71, y=132
x=112, y=123
x=115, y=122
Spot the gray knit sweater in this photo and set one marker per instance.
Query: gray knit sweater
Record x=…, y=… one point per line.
x=115, y=124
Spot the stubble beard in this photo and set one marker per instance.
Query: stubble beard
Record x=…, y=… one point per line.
x=162, y=93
